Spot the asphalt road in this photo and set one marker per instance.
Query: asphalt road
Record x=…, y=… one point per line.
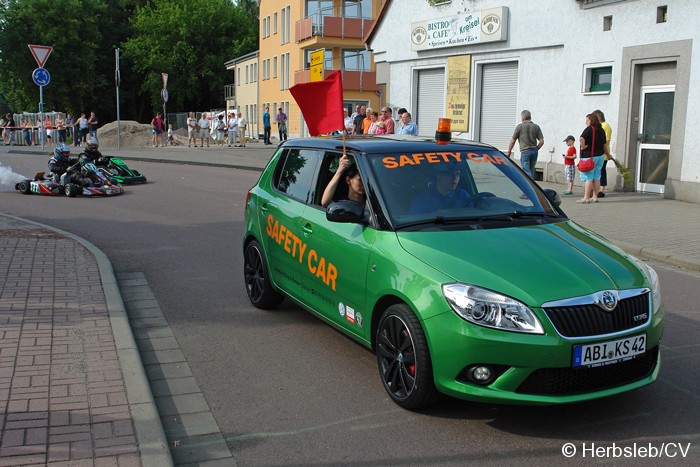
x=287, y=389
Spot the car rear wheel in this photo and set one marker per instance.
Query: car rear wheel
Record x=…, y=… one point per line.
x=25, y=187
x=257, y=279
x=404, y=359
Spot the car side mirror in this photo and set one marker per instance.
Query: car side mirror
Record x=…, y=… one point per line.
x=553, y=196
x=346, y=211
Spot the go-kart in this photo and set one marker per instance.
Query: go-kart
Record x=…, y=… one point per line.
x=117, y=171
x=97, y=184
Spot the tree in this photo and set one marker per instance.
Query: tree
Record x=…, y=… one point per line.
x=75, y=40
x=190, y=41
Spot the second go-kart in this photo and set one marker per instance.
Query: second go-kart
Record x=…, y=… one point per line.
x=96, y=183
x=118, y=172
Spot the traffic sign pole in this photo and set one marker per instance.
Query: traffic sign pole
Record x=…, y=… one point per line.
x=41, y=77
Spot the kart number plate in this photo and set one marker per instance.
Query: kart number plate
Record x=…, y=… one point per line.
x=607, y=353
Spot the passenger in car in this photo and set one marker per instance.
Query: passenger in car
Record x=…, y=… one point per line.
x=347, y=170
x=444, y=193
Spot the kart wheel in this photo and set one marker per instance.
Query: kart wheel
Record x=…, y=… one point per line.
x=404, y=359
x=257, y=279
x=72, y=190
x=25, y=187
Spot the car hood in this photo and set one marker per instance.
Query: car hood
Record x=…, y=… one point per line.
x=533, y=264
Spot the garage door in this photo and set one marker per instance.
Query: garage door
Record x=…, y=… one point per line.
x=431, y=100
x=499, y=95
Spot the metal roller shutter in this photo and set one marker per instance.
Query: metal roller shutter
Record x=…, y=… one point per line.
x=431, y=100
x=499, y=96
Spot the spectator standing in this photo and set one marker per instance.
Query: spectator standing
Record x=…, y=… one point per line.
x=191, y=130
x=83, y=128
x=220, y=129
x=359, y=118
x=267, y=126
x=407, y=127
x=530, y=139
x=60, y=128
x=242, y=126
x=70, y=126
x=48, y=129
x=388, y=120
x=372, y=130
x=282, y=124
x=157, y=130
x=593, y=144
x=569, y=164
x=171, y=139
x=9, y=126
x=92, y=125
x=608, y=137
x=367, y=122
x=400, y=112
x=356, y=112
x=232, y=129
x=347, y=122
x=204, y=129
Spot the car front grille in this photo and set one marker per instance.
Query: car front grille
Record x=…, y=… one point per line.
x=570, y=381
x=591, y=320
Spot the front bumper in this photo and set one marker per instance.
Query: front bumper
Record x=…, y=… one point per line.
x=532, y=369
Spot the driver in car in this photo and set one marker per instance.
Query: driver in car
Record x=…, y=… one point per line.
x=60, y=162
x=444, y=193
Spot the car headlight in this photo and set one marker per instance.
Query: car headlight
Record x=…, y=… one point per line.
x=491, y=309
x=655, y=289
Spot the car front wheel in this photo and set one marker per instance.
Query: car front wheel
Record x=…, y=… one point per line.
x=257, y=279
x=404, y=359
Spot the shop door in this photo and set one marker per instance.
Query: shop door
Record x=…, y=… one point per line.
x=656, y=117
x=431, y=100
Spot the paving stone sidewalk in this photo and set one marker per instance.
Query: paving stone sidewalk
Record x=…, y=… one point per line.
x=65, y=398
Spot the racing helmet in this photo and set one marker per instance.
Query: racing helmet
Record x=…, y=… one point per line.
x=92, y=145
x=61, y=152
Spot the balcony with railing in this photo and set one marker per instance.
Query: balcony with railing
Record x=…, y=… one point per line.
x=336, y=27
x=353, y=80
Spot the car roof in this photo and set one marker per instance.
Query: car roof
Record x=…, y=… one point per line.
x=386, y=144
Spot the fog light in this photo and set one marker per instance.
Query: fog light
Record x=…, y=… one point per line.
x=481, y=374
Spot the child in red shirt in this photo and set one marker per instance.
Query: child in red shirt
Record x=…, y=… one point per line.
x=569, y=165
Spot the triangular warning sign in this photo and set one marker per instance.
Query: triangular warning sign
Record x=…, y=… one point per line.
x=41, y=53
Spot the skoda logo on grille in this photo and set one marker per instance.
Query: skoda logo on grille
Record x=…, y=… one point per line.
x=608, y=300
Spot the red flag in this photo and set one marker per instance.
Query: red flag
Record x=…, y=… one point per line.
x=321, y=103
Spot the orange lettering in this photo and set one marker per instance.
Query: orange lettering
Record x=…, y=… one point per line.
x=390, y=162
x=432, y=157
x=474, y=157
x=488, y=158
x=405, y=160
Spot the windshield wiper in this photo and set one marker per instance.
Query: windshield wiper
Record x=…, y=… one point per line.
x=501, y=217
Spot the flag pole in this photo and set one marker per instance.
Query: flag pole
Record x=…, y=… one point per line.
x=344, y=131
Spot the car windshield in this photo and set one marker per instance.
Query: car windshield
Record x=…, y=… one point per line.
x=450, y=187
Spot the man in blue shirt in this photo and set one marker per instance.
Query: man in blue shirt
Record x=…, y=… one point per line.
x=444, y=194
x=407, y=126
x=267, y=126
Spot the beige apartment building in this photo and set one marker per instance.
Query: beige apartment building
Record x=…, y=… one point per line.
x=290, y=31
x=242, y=95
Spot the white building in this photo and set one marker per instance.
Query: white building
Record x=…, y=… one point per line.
x=482, y=62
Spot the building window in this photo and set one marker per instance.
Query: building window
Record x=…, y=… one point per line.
x=662, y=14
x=239, y=76
x=356, y=60
x=285, y=24
x=274, y=23
x=607, y=23
x=358, y=8
x=598, y=78
x=274, y=67
x=288, y=24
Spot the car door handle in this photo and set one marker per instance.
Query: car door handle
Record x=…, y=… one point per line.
x=308, y=230
x=263, y=208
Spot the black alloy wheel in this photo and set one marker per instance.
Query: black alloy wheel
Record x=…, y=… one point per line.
x=404, y=359
x=257, y=279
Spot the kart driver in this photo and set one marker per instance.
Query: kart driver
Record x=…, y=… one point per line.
x=61, y=163
x=91, y=153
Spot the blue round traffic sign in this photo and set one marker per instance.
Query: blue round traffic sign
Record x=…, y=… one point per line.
x=41, y=77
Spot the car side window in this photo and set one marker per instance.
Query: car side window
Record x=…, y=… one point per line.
x=295, y=173
x=329, y=166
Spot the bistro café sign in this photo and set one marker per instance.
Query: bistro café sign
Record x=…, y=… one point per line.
x=471, y=28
